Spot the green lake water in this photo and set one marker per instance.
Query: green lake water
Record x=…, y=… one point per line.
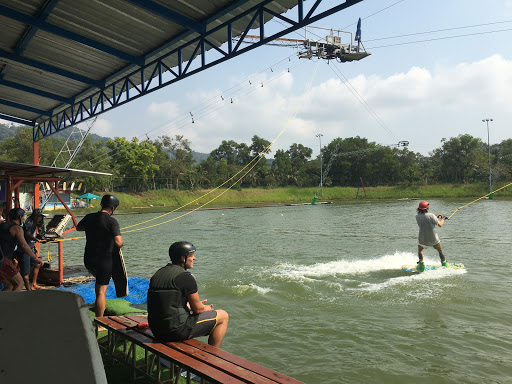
x=317, y=292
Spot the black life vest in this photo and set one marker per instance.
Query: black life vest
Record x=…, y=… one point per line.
x=8, y=243
x=167, y=306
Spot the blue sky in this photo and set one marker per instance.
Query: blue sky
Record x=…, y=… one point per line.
x=451, y=68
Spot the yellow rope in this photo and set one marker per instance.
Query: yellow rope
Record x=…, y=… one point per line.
x=254, y=162
x=49, y=254
x=480, y=198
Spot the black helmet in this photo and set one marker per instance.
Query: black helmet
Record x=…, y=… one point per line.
x=37, y=211
x=179, y=249
x=16, y=213
x=109, y=201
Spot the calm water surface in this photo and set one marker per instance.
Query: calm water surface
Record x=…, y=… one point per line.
x=317, y=292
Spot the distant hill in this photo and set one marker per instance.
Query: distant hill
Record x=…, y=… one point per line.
x=6, y=131
x=9, y=130
x=200, y=157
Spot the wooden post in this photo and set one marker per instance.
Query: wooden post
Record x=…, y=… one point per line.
x=35, y=146
x=61, y=264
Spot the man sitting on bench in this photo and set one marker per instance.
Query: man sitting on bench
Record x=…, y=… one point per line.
x=175, y=312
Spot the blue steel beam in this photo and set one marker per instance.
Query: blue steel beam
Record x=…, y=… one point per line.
x=24, y=107
x=34, y=91
x=120, y=89
x=43, y=14
x=36, y=23
x=170, y=15
x=50, y=68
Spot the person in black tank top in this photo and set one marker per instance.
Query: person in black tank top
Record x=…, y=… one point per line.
x=12, y=239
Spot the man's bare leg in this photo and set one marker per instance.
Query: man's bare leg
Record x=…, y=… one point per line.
x=17, y=282
x=35, y=272
x=26, y=282
x=101, y=299
x=220, y=329
x=7, y=286
x=420, y=253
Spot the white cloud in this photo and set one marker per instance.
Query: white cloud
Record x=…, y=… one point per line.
x=103, y=127
x=421, y=105
x=167, y=110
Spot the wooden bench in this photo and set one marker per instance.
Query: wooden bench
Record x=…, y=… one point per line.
x=164, y=362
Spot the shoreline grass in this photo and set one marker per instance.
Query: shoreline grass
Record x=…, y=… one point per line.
x=293, y=195
x=167, y=200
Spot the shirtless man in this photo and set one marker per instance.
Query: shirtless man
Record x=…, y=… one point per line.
x=12, y=238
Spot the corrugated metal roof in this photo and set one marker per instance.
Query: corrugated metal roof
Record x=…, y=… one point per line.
x=65, y=60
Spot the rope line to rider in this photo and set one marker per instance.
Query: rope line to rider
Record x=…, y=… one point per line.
x=250, y=165
x=474, y=201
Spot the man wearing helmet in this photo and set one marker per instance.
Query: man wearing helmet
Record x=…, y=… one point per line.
x=175, y=312
x=102, y=236
x=427, y=236
x=34, y=231
x=12, y=239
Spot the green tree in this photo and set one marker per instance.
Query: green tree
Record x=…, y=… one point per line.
x=227, y=150
x=281, y=167
x=182, y=161
x=383, y=166
x=94, y=157
x=463, y=159
x=501, y=156
x=299, y=157
x=259, y=148
x=20, y=148
x=134, y=161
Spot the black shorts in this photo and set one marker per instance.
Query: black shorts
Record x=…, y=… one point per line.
x=102, y=275
x=204, y=325
x=26, y=263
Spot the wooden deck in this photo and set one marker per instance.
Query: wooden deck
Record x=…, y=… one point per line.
x=164, y=362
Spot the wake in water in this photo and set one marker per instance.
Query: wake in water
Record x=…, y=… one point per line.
x=371, y=274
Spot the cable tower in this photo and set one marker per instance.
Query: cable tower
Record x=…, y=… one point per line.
x=67, y=154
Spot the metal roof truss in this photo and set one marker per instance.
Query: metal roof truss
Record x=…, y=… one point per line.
x=169, y=63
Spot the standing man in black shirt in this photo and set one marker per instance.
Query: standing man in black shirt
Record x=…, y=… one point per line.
x=175, y=312
x=103, y=235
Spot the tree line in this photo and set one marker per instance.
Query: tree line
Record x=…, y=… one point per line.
x=168, y=163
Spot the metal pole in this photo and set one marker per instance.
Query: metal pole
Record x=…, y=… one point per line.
x=489, y=153
x=321, y=170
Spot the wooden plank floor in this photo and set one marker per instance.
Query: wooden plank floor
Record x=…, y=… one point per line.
x=206, y=361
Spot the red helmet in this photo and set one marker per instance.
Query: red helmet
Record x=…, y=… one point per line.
x=423, y=205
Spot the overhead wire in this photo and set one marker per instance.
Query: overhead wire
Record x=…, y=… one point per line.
x=375, y=13
x=247, y=168
x=441, y=38
x=179, y=124
x=438, y=30
x=239, y=90
x=361, y=100
x=257, y=158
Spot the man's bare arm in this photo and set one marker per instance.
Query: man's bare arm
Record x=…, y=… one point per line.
x=20, y=237
x=196, y=305
x=118, y=241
